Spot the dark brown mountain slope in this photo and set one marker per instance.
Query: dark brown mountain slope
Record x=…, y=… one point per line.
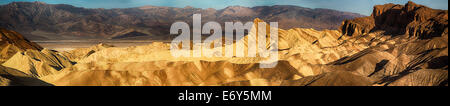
x=410, y=19
x=13, y=77
x=11, y=43
x=410, y=48
x=37, y=20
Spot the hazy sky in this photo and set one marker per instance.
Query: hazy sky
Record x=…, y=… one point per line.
x=358, y=6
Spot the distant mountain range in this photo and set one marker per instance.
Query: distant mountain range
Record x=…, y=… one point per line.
x=40, y=21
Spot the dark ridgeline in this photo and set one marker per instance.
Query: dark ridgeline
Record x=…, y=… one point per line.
x=40, y=21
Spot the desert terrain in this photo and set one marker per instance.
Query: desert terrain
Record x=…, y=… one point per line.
x=398, y=45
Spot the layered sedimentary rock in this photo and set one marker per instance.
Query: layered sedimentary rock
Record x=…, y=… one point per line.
x=12, y=42
x=394, y=19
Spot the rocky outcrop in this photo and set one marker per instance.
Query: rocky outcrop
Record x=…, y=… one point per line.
x=410, y=19
x=38, y=63
x=80, y=53
x=12, y=42
x=358, y=26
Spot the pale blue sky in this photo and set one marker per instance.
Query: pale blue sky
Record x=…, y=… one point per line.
x=357, y=6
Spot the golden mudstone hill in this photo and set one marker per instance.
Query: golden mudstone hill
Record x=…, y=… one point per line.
x=13, y=77
x=80, y=53
x=12, y=42
x=38, y=63
x=23, y=62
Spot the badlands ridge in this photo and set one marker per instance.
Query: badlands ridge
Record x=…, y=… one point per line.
x=398, y=45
